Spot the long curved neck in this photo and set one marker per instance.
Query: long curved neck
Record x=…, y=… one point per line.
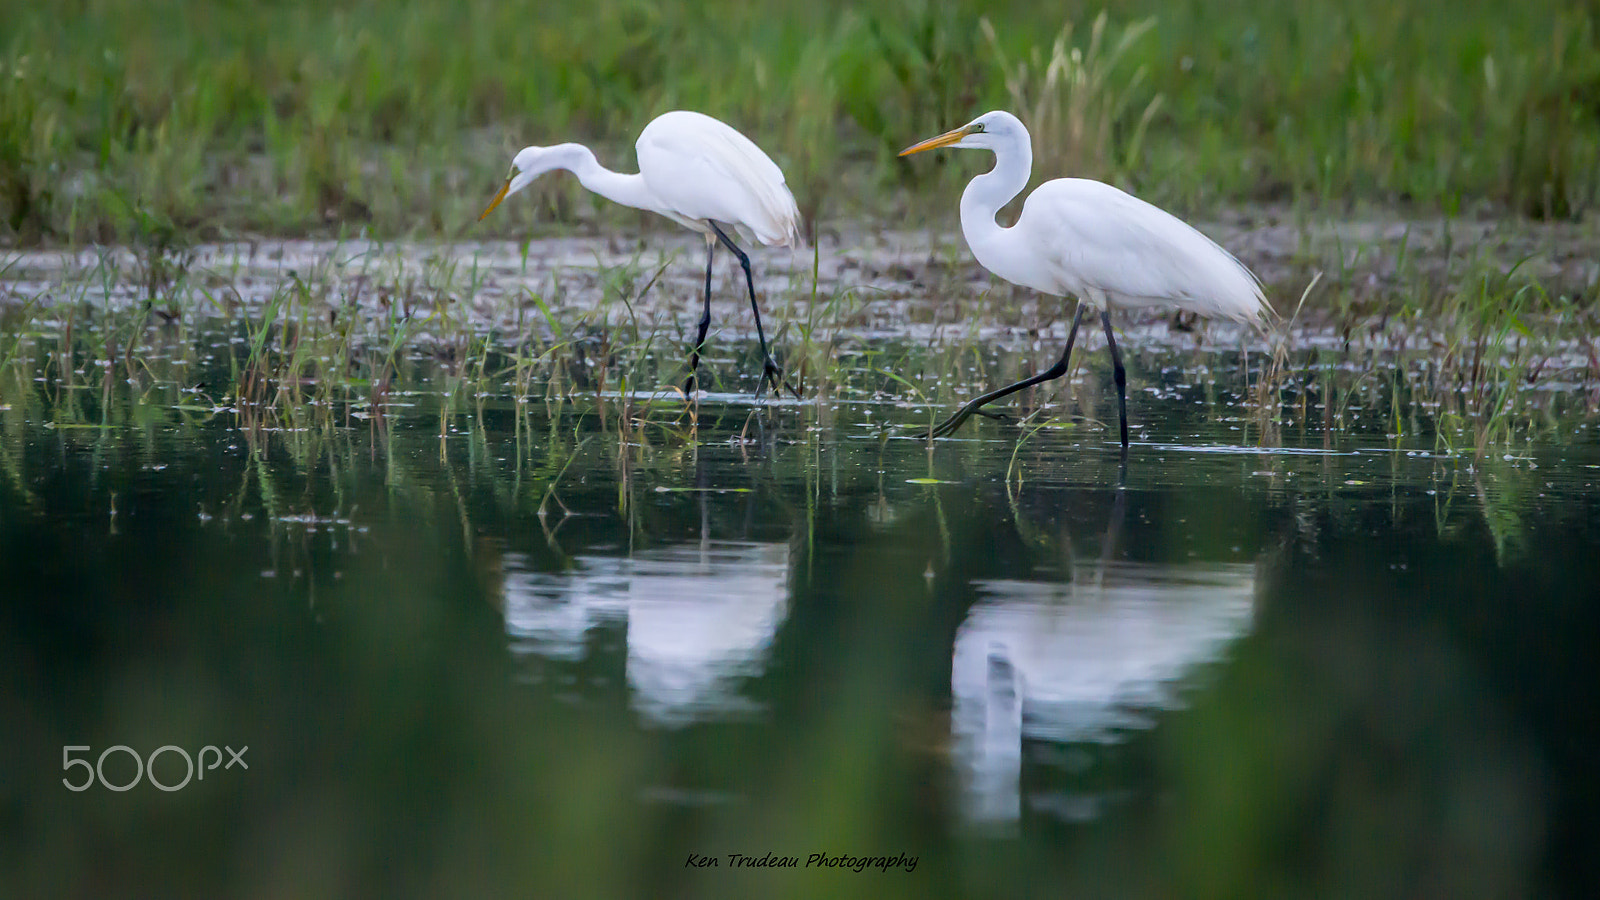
x=629, y=190
x=993, y=245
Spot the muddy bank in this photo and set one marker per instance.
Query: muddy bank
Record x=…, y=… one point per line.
x=905, y=283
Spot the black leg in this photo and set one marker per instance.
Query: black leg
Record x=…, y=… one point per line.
x=1120, y=374
x=705, y=322
x=1055, y=371
x=771, y=372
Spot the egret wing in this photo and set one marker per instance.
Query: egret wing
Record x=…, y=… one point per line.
x=1098, y=239
x=705, y=170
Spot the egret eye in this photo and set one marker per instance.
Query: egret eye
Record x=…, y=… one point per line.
x=977, y=128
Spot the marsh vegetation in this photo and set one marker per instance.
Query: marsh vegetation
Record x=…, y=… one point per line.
x=392, y=119
x=435, y=537
x=294, y=455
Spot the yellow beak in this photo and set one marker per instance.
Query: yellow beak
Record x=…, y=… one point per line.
x=943, y=140
x=504, y=188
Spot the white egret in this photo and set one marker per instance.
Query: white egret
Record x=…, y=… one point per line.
x=698, y=172
x=1091, y=240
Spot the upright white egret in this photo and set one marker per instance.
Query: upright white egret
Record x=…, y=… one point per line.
x=1091, y=240
x=698, y=172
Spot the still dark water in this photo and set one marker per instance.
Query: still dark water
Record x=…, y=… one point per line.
x=516, y=651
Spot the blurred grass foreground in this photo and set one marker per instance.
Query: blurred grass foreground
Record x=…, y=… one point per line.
x=294, y=117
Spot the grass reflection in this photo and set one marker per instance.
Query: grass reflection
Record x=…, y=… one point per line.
x=535, y=650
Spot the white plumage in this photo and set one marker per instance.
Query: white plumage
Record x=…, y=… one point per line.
x=702, y=170
x=1093, y=241
x=698, y=172
x=1097, y=240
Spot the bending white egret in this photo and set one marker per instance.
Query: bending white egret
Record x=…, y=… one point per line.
x=698, y=172
x=1091, y=240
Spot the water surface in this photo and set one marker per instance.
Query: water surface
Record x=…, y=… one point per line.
x=478, y=644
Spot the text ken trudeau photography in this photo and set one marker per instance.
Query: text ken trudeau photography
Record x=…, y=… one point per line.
x=815, y=860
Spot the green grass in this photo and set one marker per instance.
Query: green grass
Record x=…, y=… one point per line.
x=213, y=119
x=1484, y=359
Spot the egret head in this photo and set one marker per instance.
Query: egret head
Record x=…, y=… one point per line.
x=989, y=131
x=524, y=169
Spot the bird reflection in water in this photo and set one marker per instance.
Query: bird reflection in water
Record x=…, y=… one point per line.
x=697, y=619
x=1082, y=661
